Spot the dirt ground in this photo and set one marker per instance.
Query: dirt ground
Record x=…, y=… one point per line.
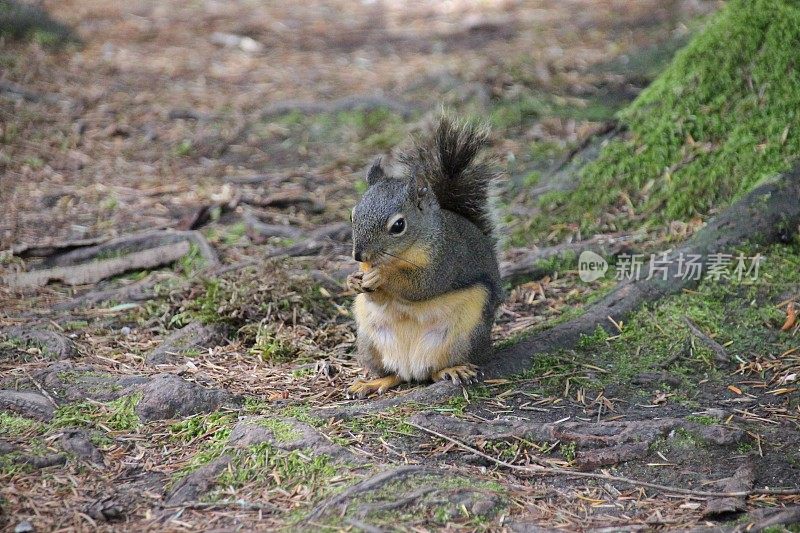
x=205, y=391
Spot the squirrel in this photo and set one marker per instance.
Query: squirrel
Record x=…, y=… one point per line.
x=429, y=284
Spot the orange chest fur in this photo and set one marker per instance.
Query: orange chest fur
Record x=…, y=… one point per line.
x=415, y=339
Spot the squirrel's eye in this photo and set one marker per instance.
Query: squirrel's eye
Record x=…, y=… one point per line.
x=398, y=227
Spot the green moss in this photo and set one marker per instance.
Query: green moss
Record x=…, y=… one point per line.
x=458, y=404
x=293, y=469
x=390, y=424
x=202, y=424
x=724, y=115
x=740, y=315
x=703, y=420
x=569, y=451
x=430, y=508
x=272, y=348
x=13, y=425
x=303, y=414
x=117, y=415
x=192, y=261
x=744, y=447
x=282, y=431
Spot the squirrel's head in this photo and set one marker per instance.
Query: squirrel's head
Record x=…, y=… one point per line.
x=394, y=220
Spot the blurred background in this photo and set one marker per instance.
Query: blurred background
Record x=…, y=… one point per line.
x=118, y=116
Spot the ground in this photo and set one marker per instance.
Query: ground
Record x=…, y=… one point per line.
x=203, y=386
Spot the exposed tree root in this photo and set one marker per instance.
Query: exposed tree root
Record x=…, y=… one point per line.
x=52, y=343
x=134, y=242
x=300, y=199
x=325, y=238
x=98, y=270
x=774, y=517
x=598, y=443
x=769, y=213
x=262, y=231
x=741, y=481
x=136, y=291
x=45, y=250
x=551, y=470
x=81, y=265
x=522, y=263
x=368, y=485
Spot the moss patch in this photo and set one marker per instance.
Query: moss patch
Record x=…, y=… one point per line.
x=13, y=425
x=282, y=431
x=724, y=115
x=740, y=315
x=440, y=506
x=117, y=415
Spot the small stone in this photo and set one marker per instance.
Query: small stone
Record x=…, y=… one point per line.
x=169, y=396
x=125, y=330
x=24, y=527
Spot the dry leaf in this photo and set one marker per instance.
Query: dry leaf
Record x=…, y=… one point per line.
x=791, y=317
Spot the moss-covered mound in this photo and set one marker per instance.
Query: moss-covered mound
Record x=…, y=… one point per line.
x=724, y=115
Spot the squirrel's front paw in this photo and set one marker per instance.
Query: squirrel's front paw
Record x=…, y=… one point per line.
x=372, y=279
x=355, y=282
x=364, y=281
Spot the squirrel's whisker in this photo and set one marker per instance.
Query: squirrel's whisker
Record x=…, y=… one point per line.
x=402, y=259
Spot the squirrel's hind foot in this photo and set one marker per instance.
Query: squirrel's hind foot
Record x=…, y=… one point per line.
x=362, y=388
x=458, y=374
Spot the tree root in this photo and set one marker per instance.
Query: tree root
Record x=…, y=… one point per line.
x=775, y=517
x=283, y=200
x=599, y=443
x=742, y=480
x=552, y=470
x=136, y=291
x=720, y=353
x=98, y=270
x=368, y=485
x=522, y=263
x=769, y=213
x=85, y=264
x=134, y=242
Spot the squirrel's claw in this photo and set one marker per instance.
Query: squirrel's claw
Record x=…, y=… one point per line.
x=459, y=374
x=364, y=281
x=372, y=280
x=362, y=388
x=355, y=281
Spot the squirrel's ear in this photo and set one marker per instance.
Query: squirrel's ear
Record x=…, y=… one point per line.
x=418, y=188
x=375, y=173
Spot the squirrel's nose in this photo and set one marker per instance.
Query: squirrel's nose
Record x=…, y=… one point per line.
x=358, y=255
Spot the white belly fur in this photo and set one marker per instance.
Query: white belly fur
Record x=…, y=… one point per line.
x=416, y=339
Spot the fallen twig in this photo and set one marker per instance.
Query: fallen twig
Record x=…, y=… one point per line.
x=553, y=470
x=720, y=353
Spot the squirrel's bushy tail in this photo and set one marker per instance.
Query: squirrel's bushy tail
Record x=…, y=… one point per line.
x=447, y=161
